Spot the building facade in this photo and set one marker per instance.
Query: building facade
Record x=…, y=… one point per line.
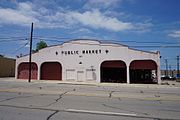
x=7, y=67
x=91, y=61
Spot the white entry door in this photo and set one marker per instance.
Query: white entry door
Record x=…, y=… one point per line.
x=80, y=76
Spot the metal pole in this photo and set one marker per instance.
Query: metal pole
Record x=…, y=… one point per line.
x=166, y=74
x=170, y=72
x=30, y=52
x=178, y=65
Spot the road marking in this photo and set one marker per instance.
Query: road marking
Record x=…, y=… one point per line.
x=100, y=112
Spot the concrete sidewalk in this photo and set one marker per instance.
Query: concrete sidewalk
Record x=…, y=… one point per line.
x=164, y=84
x=109, y=90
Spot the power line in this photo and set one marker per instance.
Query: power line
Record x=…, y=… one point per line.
x=156, y=46
x=11, y=37
x=56, y=39
x=20, y=47
x=130, y=41
x=51, y=37
x=62, y=39
x=14, y=40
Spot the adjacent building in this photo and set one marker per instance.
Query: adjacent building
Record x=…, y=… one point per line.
x=7, y=67
x=91, y=61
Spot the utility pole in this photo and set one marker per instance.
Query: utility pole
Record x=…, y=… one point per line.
x=166, y=72
x=30, y=52
x=178, y=65
x=170, y=71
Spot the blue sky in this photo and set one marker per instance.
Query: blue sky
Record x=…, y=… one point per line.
x=150, y=25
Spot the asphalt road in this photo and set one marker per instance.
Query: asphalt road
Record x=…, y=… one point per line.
x=44, y=100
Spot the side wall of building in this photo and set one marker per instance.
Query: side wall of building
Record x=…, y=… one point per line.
x=7, y=67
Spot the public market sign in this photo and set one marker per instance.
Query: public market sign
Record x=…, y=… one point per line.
x=77, y=52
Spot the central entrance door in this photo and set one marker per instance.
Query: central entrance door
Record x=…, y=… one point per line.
x=113, y=71
x=80, y=75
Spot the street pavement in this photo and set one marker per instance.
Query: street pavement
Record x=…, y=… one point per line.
x=54, y=100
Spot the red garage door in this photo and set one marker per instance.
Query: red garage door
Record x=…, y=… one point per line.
x=113, y=71
x=51, y=71
x=23, y=71
x=143, y=64
x=113, y=64
x=143, y=71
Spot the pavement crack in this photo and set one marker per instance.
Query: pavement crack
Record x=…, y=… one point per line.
x=119, y=99
x=30, y=108
x=60, y=96
x=141, y=91
x=110, y=94
x=157, y=95
x=17, y=97
x=55, y=100
x=34, y=108
x=50, y=116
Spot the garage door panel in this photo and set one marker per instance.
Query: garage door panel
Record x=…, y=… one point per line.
x=113, y=64
x=51, y=71
x=143, y=64
x=113, y=71
x=141, y=71
x=23, y=71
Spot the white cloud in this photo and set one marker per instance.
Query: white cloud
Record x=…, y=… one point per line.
x=101, y=4
x=81, y=31
x=21, y=16
x=25, y=6
x=142, y=27
x=175, y=34
x=26, y=12
x=97, y=20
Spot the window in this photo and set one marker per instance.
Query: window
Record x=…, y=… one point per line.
x=70, y=74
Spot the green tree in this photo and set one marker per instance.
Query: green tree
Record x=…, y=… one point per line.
x=1, y=55
x=40, y=45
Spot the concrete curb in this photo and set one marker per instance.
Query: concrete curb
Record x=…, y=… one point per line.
x=94, y=84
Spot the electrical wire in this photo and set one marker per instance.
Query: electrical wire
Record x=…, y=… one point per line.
x=157, y=46
x=20, y=47
x=12, y=37
x=59, y=39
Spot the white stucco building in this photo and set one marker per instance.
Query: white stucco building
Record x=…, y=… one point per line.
x=91, y=61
